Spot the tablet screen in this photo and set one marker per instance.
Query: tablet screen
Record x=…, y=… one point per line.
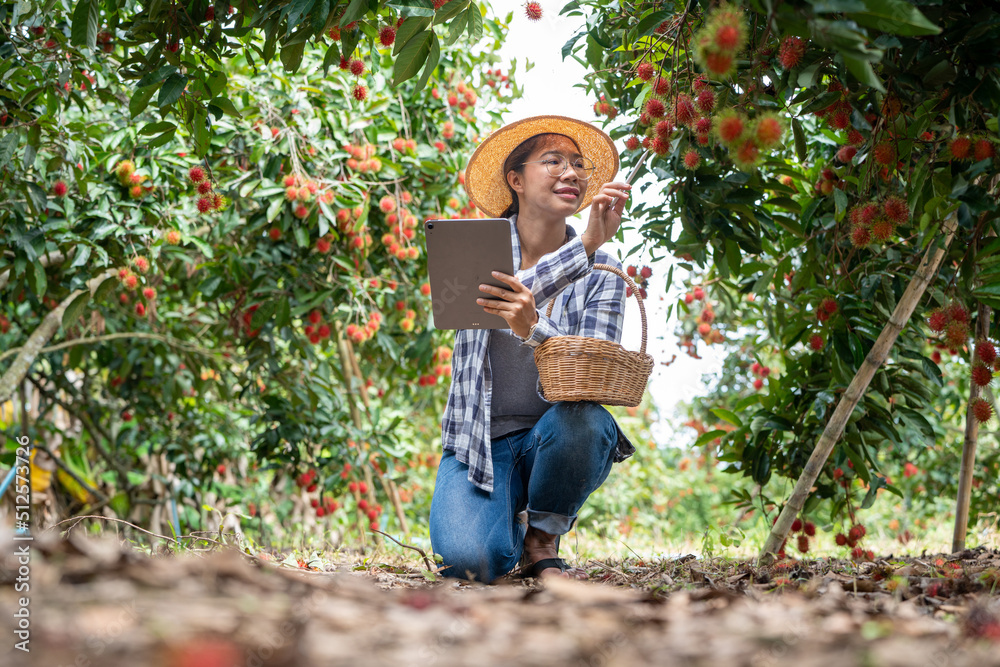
x=461, y=255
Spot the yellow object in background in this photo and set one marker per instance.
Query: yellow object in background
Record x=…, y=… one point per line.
x=41, y=479
x=6, y=414
x=72, y=486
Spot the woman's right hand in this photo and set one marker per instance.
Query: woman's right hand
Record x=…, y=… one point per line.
x=604, y=221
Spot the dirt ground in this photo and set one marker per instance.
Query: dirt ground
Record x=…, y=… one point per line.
x=96, y=602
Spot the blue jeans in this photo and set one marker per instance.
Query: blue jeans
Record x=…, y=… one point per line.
x=550, y=469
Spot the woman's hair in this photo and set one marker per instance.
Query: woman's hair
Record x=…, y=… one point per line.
x=517, y=156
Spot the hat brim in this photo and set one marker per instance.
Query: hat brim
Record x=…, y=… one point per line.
x=487, y=184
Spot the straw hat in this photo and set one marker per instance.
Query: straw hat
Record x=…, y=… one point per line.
x=484, y=178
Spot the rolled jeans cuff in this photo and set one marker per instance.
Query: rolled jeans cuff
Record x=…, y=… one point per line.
x=554, y=524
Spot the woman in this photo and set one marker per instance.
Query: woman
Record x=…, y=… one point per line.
x=506, y=448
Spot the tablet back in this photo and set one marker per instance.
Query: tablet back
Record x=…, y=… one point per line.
x=461, y=255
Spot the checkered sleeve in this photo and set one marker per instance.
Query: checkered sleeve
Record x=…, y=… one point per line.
x=602, y=315
x=556, y=270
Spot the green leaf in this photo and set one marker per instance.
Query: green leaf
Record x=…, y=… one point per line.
x=458, y=25
x=291, y=56
x=412, y=56
x=407, y=31
x=475, y=23
x=863, y=72
x=727, y=415
x=85, y=21
x=262, y=314
x=226, y=105
x=39, y=283
x=155, y=128
x=172, y=90
x=894, y=17
x=800, y=140
x=140, y=100
x=432, y=62
x=413, y=7
x=709, y=436
x=8, y=144
x=650, y=22
x=355, y=10
x=75, y=309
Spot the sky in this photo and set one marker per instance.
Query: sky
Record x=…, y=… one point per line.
x=549, y=89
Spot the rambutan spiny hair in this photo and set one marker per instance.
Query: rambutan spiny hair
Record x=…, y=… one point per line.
x=518, y=156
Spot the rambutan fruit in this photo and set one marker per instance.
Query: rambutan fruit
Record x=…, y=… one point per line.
x=960, y=148
x=869, y=213
x=664, y=128
x=938, y=320
x=747, y=155
x=855, y=138
x=204, y=204
x=692, y=159
x=59, y=189
x=956, y=333
x=660, y=145
x=985, y=351
x=719, y=63
x=829, y=305
x=857, y=531
x=706, y=100
x=982, y=375
x=896, y=210
x=840, y=539
x=387, y=204
x=645, y=71
x=533, y=11
x=196, y=174
x=846, y=153
x=360, y=92
x=140, y=309
x=796, y=525
x=803, y=543
x=387, y=35
x=984, y=150
x=884, y=153
x=149, y=293
x=322, y=246
x=839, y=120
x=981, y=410
x=204, y=187
x=661, y=86
x=958, y=313
x=809, y=528
x=791, y=52
x=684, y=110
x=860, y=236
x=730, y=127
x=654, y=108
x=816, y=342
x=703, y=126
x=768, y=130
x=357, y=67
x=882, y=230
x=632, y=143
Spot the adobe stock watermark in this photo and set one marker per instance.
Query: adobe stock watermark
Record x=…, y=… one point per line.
x=22, y=528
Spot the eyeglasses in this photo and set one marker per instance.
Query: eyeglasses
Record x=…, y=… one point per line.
x=558, y=164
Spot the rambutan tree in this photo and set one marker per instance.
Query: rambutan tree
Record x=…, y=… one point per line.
x=821, y=173
x=210, y=294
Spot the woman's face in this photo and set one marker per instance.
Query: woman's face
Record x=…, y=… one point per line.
x=540, y=189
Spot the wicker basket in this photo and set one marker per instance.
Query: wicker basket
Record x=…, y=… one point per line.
x=577, y=368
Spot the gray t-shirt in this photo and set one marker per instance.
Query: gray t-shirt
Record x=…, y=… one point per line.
x=515, y=402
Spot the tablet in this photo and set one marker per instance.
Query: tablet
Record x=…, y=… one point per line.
x=461, y=256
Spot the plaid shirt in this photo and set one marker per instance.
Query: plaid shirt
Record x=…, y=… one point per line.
x=589, y=303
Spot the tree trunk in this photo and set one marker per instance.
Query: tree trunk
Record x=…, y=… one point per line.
x=37, y=340
x=969, y=447
x=835, y=427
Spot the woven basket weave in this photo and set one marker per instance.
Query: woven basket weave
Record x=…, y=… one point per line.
x=577, y=368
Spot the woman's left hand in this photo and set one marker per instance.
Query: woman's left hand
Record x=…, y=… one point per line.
x=516, y=305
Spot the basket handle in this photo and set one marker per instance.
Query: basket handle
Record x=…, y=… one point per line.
x=635, y=293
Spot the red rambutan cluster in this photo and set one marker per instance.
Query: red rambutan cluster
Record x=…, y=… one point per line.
x=721, y=37
x=876, y=221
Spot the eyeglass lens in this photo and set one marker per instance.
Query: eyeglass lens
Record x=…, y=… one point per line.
x=557, y=165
